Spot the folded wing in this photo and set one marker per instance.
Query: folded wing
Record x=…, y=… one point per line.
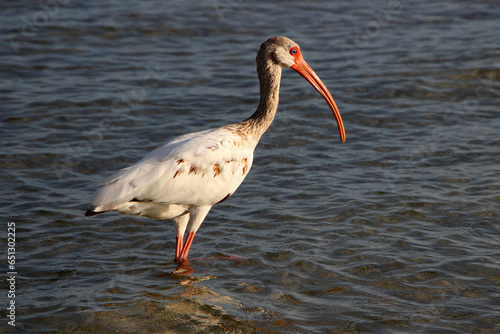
x=201, y=168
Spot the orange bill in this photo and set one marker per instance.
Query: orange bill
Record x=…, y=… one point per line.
x=307, y=72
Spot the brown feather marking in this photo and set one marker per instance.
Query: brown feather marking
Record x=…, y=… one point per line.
x=222, y=200
x=192, y=170
x=176, y=173
x=213, y=147
x=180, y=161
x=90, y=213
x=245, y=165
x=216, y=170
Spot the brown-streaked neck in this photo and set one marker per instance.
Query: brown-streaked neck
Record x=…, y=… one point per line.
x=269, y=79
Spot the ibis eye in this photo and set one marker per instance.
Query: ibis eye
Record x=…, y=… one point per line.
x=293, y=51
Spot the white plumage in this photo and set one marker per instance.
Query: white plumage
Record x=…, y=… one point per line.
x=179, y=180
x=198, y=169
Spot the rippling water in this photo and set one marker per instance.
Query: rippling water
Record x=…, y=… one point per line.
x=395, y=231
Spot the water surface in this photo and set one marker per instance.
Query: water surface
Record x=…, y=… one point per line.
x=394, y=231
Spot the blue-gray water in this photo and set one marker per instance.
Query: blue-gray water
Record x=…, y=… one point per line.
x=395, y=231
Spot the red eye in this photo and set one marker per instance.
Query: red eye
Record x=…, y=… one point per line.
x=293, y=51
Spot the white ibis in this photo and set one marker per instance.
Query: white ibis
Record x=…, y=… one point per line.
x=186, y=176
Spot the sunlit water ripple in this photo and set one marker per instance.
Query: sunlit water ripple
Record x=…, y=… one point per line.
x=395, y=231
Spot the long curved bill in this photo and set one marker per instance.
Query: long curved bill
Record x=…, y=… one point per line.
x=307, y=72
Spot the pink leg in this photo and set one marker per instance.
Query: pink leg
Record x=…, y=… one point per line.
x=178, y=247
x=193, y=222
x=187, y=245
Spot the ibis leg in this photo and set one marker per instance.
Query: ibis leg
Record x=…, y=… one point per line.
x=186, y=246
x=178, y=247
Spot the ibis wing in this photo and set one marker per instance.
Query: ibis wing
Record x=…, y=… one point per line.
x=196, y=169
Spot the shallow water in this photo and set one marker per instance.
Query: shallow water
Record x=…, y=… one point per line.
x=394, y=231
